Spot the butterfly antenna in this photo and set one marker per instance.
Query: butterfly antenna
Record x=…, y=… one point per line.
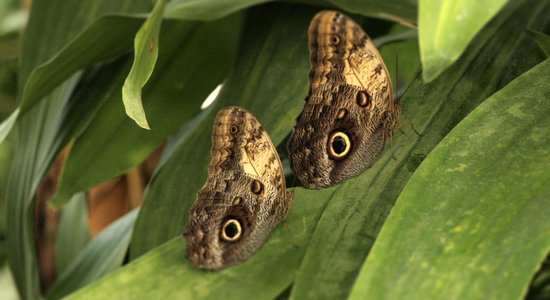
x=396, y=76
x=401, y=94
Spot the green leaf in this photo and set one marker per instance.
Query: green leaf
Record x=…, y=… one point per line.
x=269, y=79
x=195, y=57
x=7, y=125
x=472, y=223
x=400, y=11
x=447, y=27
x=542, y=40
x=73, y=232
x=35, y=132
x=540, y=285
x=206, y=10
x=145, y=56
x=353, y=218
x=102, y=255
x=166, y=273
x=105, y=39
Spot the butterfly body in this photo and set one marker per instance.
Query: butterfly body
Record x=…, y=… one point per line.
x=349, y=112
x=244, y=196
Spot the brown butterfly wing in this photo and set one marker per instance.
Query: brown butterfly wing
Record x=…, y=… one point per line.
x=350, y=92
x=245, y=183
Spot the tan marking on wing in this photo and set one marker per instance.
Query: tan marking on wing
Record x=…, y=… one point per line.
x=262, y=158
x=250, y=150
x=367, y=70
x=247, y=165
x=364, y=67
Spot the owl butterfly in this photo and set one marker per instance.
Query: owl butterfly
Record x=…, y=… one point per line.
x=244, y=196
x=349, y=112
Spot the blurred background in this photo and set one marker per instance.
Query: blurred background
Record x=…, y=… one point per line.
x=13, y=16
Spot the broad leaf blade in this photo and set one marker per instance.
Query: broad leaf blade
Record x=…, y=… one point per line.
x=105, y=39
x=447, y=27
x=400, y=11
x=166, y=273
x=145, y=56
x=472, y=223
x=206, y=10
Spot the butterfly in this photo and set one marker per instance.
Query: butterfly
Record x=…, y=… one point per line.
x=244, y=196
x=349, y=112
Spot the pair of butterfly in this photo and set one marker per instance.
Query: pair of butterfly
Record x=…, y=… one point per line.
x=347, y=118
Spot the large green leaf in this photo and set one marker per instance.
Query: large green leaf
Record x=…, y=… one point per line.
x=36, y=130
x=195, y=57
x=105, y=39
x=447, y=27
x=206, y=9
x=472, y=223
x=102, y=255
x=269, y=78
x=146, y=50
x=401, y=11
x=166, y=273
x=352, y=219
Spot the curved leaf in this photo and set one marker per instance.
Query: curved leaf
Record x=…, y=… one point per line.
x=472, y=222
x=447, y=27
x=400, y=11
x=105, y=39
x=145, y=56
x=166, y=273
x=206, y=10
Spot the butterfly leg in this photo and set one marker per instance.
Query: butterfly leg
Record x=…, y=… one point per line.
x=414, y=129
